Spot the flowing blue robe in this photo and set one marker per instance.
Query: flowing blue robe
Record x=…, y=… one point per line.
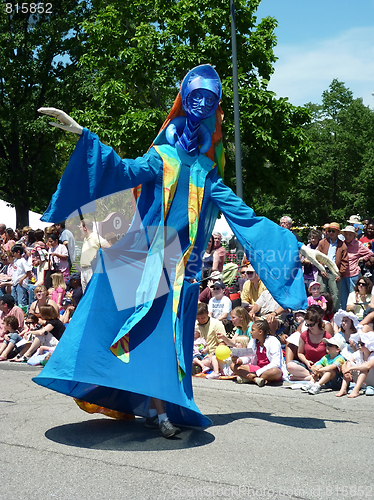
x=130, y=286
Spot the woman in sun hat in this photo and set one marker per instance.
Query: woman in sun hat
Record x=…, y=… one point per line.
x=360, y=367
x=356, y=252
x=345, y=325
x=336, y=249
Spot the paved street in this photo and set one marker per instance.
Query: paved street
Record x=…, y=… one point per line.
x=265, y=443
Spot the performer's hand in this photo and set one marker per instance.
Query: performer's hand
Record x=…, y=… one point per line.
x=67, y=123
x=319, y=260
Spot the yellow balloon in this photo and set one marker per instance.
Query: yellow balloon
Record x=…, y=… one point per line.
x=222, y=352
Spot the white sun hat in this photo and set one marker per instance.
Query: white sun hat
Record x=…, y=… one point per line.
x=349, y=314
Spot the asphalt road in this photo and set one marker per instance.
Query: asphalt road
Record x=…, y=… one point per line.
x=268, y=442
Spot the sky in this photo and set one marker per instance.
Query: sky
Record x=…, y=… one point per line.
x=319, y=40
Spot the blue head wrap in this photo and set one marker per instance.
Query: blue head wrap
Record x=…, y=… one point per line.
x=201, y=77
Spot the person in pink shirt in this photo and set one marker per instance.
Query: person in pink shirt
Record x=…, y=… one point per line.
x=311, y=347
x=8, y=308
x=356, y=253
x=9, y=239
x=316, y=298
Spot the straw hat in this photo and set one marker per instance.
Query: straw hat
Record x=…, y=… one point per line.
x=334, y=225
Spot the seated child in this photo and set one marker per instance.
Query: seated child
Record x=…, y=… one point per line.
x=48, y=335
x=224, y=367
x=328, y=369
x=59, y=288
x=267, y=364
x=11, y=338
x=67, y=310
x=242, y=321
x=31, y=320
x=200, y=349
x=241, y=342
x=315, y=297
x=360, y=367
x=31, y=324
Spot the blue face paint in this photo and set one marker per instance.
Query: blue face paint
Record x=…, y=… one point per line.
x=201, y=92
x=202, y=81
x=201, y=104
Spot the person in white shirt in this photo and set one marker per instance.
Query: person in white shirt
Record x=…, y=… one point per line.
x=219, y=306
x=22, y=272
x=267, y=308
x=92, y=243
x=58, y=255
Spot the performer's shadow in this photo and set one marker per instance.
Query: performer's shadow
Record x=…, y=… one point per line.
x=121, y=435
x=288, y=421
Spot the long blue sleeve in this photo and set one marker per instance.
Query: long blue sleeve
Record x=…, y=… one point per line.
x=95, y=170
x=272, y=250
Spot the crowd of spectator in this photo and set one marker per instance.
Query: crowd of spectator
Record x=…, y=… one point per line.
x=330, y=344
x=40, y=288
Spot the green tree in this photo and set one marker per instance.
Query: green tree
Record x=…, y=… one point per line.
x=335, y=181
x=38, y=66
x=139, y=51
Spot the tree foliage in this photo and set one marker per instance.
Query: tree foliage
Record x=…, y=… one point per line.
x=336, y=180
x=33, y=73
x=116, y=67
x=141, y=50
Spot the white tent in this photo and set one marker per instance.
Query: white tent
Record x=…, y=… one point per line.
x=8, y=217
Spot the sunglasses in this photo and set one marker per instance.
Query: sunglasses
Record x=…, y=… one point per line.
x=331, y=345
x=361, y=284
x=331, y=230
x=360, y=344
x=249, y=272
x=309, y=325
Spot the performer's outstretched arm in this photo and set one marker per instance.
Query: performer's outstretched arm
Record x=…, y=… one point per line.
x=94, y=171
x=272, y=250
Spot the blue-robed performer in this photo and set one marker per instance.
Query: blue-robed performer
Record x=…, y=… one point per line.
x=128, y=347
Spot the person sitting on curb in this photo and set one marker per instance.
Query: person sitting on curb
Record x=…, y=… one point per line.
x=360, y=367
x=213, y=331
x=11, y=338
x=328, y=370
x=268, y=365
x=8, y=308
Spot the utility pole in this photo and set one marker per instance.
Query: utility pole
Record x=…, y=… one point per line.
x=238, y=152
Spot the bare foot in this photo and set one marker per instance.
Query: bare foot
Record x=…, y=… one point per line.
x=23, y=359
x=353, y=394
x=340, y=394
